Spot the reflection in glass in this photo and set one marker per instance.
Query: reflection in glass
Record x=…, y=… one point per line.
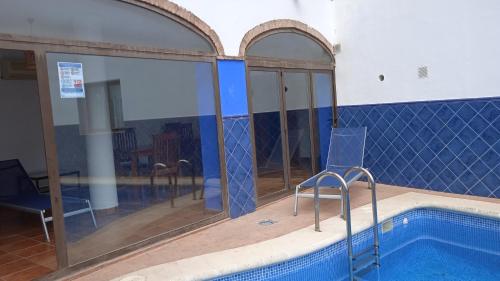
x=299, y=133
x=144, y=141
x=98, y=21
x=289, y=46
x=322, y=96
x=265, y=94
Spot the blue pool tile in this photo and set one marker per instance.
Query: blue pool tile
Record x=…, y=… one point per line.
x=491, y=181
x=456, y=124
x=467, y=135
x=456, y=146
x=447, y=177
x=479, y=146
x=479, y=189
x=458, y=187
x=426, y=154
x=445, y=113
x=406, y=115
x=417, y=144
x=479, y=169
x=444, y=134
x=457, y=167
x=435, y=125
x=436, y=145
x=398, y=124
x=425, y=114
x=438, y=184
x=426, y=133
x=400, y=162
x=408, y=154
x=436, y=164
x=428, y=174
x=239, y=168
x=446, y=155
x=490, y=112
x=491, y=158
x=466, y=112
x=478, y=124
x=491, y=135
x=468, y=178
x=468, y=157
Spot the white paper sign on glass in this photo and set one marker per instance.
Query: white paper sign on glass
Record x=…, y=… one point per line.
x=71, y=83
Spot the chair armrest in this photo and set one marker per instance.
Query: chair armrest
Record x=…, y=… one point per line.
x=159, y=165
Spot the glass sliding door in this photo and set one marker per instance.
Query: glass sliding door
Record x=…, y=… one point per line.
x=322, y=104
x=292, y=120
x=298, y=127
x=266, y=106
x=137, y=142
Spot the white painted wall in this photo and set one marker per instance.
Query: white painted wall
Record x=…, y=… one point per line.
x=456, y=39
x=231, y=19
x=21, y=124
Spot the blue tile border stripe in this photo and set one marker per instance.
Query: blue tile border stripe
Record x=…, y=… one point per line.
x=239, y=165
x=451, y=146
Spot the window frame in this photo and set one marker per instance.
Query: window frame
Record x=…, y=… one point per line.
x=41, y=47
x=287, y=65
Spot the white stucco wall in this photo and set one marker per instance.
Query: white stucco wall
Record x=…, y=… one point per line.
x=231, y=19
x=456, y=39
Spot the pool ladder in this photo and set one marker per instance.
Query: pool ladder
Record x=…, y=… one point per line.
x=370, y=256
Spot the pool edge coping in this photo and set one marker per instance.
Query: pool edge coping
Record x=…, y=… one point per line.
x=292, y=245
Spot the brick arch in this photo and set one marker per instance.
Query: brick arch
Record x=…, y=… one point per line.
x=284, y=24
x=185, y=17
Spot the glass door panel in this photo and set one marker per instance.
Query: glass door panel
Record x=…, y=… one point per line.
x=122, y=127
x=322, y=97
x=297, y=103
x=265, y=95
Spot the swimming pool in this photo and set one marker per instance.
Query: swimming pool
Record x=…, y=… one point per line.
x=422, y=244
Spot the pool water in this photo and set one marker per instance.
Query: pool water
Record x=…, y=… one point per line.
x=428, y=259
x=424, y=244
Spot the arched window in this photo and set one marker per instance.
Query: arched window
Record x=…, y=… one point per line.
x=288, y=45
x=113, y=22
x=127, y=94
x=291, y=94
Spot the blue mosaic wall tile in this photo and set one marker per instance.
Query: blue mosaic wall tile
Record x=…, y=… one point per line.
x=238, y=153
x=451, y=146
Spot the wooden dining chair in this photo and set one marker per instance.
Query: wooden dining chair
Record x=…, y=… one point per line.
x=124, y=143
x=167, y=163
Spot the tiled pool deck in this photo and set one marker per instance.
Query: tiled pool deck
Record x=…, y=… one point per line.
x=244, y=231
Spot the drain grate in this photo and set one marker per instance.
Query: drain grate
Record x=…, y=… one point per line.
x=267, y=222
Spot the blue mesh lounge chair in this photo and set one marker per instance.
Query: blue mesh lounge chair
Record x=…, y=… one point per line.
x=347, y=146
x=17, y=191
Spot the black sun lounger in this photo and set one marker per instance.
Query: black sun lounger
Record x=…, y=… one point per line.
x=17, y=191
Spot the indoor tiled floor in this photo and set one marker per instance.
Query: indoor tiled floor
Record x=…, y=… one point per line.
x=24, y=253
x=242, y=231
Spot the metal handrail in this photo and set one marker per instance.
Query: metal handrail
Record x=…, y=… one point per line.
x=344, y=188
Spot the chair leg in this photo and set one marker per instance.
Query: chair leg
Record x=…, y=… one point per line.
x=177, y=189
x=296, y=200
x=193, y=187
x=342, y=204
x=152, y=182
x=202, y=194
x=172, y=191
x=44, y=224
x=91, y=213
